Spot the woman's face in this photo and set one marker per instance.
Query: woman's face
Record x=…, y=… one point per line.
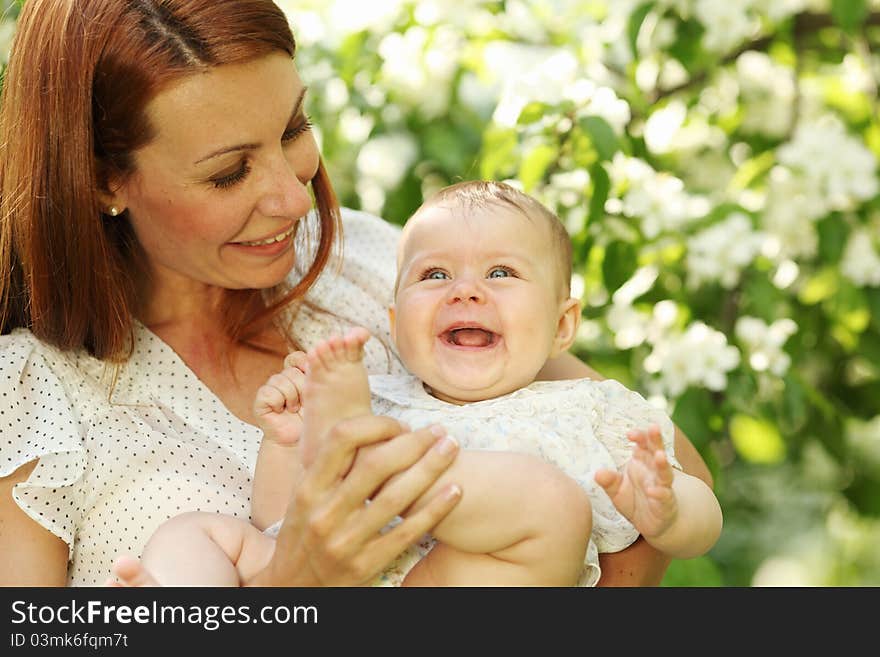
x=216, y=195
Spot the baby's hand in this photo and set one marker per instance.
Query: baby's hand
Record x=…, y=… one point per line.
x=643, y=491
x=278, y=404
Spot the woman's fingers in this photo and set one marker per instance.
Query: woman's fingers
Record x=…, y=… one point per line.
x=377, y=465
x=379, y=553
x=339, y=445
x=407, y=486
x=330, y=526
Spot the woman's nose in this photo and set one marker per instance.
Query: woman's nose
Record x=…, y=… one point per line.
x=466, y=289
x=284, y=194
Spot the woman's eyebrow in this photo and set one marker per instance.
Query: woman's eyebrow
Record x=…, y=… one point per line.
x=297, y=108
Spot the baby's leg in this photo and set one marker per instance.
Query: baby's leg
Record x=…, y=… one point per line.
x=336, y=387
x=521, y=522
x=198, y=549
x=129, y=572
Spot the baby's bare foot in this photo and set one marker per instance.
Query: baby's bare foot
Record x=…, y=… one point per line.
x=130, y=572
x=336, y=387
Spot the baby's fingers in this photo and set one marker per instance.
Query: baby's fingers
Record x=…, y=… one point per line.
x=289, y=382
x=609, y=480
x=297, y=359
x=662, y=468
x=269, y=399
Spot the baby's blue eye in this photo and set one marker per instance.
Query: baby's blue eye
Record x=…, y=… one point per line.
x=498, y=272
x=436, y=275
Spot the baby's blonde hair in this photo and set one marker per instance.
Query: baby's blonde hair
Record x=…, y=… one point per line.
x=482, y=193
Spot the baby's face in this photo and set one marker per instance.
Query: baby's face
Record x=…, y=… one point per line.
x=478, y=301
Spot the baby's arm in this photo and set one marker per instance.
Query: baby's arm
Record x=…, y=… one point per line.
x=675, y=512
x=277, y=409
x=521, y=521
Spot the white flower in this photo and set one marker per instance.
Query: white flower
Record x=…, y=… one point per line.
x=522, y=73
x=385, y=159
x=861, y=260
x=659, y=200
x=727, y=22
x=699, y=356
x=768, y=91
x=629, y=326
x=836, y=164
x=764, y=343
x=7, y=32
x=721, y=251
x=419, y=66
x=662, y=125
x=793, y=204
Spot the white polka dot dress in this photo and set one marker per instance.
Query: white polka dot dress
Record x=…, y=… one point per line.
x=116, y=459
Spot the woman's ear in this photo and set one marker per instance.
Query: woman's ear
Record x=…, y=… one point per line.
x=112, y=197
x=391, y=323
x=566, y=328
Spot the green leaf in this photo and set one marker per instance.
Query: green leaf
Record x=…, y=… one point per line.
x=601, y=189
x=620, y=262
x=601, y=134
x=849, y=307
x=499, y=153
x=849, y=14
x=873, y=295
x=535, y=164
x=533, y=112
x=693, y=415
x=794, y=401
x=864, y=493
x=445, y=144
x=701, y=571
x=833, y=233
x=687, y=47
x=753, y=169
x=756, y=440
x=819, y=287
x=636, y=19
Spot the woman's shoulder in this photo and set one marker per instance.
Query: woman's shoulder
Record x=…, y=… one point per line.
x=361, y=225
x=368, y=241
x=21, y=347
x=30, y=367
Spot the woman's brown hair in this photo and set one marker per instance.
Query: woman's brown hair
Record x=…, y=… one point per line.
x=72, y=113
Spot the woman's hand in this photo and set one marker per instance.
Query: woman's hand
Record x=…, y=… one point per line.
x=330, y=535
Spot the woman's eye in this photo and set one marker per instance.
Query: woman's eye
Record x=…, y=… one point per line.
x=435, y=275
x=499, y=272
x=292, y=133
x=223, y=182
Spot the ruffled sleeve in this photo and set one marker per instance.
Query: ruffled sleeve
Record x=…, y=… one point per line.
x=38, y=421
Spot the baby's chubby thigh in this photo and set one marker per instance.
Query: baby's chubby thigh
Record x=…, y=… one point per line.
x=556, y=507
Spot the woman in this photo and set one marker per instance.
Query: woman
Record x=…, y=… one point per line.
x=159, y=259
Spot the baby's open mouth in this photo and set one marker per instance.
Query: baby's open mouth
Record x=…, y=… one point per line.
x=470, y=337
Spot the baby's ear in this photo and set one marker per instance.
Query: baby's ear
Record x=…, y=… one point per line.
x=391, y=324
x=566, y=328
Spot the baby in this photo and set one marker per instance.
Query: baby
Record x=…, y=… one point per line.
x=481, y=303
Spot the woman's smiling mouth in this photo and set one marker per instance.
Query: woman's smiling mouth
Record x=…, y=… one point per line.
x=269, y=240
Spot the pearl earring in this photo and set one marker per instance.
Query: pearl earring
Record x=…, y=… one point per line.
x=114, y=211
